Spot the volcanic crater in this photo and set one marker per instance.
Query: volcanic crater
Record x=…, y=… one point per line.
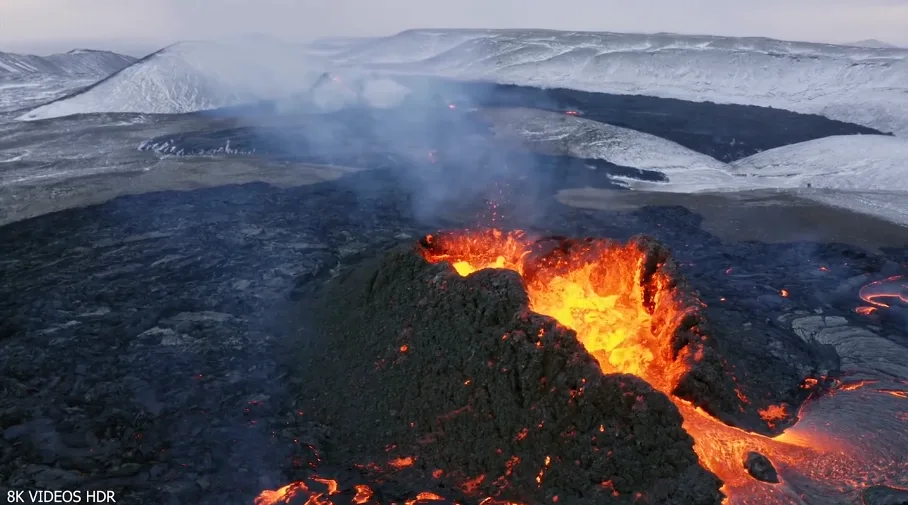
x=532, y=369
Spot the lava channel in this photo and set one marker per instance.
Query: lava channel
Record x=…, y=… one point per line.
x=623, y=324
x=884, y=294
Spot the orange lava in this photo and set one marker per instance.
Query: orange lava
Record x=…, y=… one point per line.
x=605, y=306
x=885, y=292
x=600, y=295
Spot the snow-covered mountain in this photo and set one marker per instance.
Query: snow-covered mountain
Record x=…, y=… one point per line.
x=27, y=80
x=79, y=63
x=859, y=85
x=867, y=86
x=193, y=76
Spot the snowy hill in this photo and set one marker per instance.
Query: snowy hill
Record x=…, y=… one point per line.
x=852, y=162
x=192, y=76
x=864, y=173
x=557, y=133
x=860, y=85
x=80, y=63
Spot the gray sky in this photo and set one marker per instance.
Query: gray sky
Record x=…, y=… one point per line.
x=139, y=26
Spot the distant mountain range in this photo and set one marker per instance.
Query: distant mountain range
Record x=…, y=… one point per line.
x=874, y=43
x=861, y=85
x=78, y=63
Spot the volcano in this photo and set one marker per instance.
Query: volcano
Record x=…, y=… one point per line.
x=459, y=374
x=511, y=369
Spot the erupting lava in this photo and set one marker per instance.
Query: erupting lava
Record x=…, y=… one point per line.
x=601, y=297
x=626, y=311
x=626, y=324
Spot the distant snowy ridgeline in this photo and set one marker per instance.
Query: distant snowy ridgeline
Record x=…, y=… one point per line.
x=80, y=63
x=866, y=86
x=194, y=76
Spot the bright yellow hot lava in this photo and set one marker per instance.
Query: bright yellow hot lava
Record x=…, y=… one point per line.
x=626, y=323
x=601, y=299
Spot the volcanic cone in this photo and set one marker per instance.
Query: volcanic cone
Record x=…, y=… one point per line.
x=459, y=379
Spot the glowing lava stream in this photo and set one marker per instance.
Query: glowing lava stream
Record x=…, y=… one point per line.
x=883, y=293
x=601, y=298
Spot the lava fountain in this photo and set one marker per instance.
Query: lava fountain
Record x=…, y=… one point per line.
x=626, y=325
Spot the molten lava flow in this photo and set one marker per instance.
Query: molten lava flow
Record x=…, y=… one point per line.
x=625, y=322
x=600, y=297
x=884, y=293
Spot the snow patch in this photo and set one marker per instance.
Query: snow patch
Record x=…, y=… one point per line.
x=558, y=133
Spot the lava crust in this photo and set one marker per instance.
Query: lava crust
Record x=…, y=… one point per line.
x=459, y=377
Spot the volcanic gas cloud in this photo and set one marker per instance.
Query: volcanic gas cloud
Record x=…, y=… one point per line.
x=505, y=368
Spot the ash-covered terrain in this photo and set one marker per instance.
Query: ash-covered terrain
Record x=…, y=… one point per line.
x=245, y=305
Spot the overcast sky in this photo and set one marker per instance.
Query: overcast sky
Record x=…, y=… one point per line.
x=139, y=26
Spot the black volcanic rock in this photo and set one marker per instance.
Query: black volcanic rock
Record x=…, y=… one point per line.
x=760, y=468
x=114, y=325
x=457, y=373
x=884, y=495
